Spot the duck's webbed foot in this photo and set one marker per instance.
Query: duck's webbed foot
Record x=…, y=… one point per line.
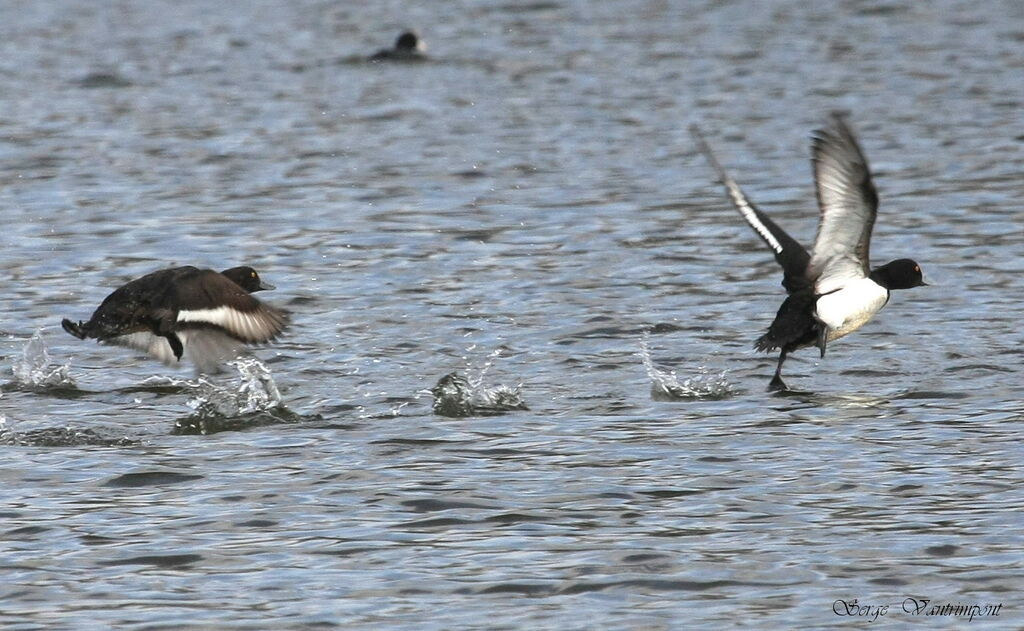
x=74, y=328
x=777, y=384
x=176, y=346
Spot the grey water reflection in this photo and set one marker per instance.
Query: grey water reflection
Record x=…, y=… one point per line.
x=528, y=201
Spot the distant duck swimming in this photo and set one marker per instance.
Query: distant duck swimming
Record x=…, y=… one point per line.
x=408, y=47
x=832, y=291
x=206, y=315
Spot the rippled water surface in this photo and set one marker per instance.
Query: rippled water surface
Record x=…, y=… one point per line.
x=526, y=214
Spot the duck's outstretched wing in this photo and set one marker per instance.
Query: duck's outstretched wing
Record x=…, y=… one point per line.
x=848, y=202
x=155, y=346
x=208, y=348
x=792, y=256
x=210, y=300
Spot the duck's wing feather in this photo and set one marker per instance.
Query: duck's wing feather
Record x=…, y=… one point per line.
x=211, y=300
x=155, y=346
x=260, y=324
x=209, y=349
x=848, y=202
x=792, y=256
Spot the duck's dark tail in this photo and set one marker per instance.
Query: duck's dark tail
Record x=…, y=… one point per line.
x=794, y=325
x=74, y=328
x=767, y=343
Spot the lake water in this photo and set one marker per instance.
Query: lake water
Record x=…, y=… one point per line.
x=527, y=210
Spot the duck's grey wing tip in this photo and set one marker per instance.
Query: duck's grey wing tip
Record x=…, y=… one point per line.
x=790, y=255
x=746, y=208
x=838, y=117
x=696, y=133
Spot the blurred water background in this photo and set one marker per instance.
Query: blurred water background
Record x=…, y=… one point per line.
x=526, y=214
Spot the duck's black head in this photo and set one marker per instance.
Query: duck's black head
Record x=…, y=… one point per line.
x=407, y=42
x=246, y=278
x=899, y=274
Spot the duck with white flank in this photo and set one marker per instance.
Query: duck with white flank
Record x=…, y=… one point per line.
x=207, y=315
x=832, y=291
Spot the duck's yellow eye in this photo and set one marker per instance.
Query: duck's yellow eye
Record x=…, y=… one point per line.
x=253, y=274
x=917, y=268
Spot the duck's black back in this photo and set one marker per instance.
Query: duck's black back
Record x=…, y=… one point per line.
x=202, y=289
x=133, y=305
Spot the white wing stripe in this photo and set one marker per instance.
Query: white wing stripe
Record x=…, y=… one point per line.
x=258, y=326
x=748, y=213
x=736, y=194
x=221, y=316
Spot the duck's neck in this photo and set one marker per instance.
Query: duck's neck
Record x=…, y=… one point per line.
x=882, y=275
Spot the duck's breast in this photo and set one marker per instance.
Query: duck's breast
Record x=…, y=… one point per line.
x=846, y=310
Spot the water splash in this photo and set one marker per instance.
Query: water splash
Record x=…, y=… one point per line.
x=33, y=368
x=665, y=386
x=461, y=394
x=256, y=392
x=254, y=402
x=458, y=396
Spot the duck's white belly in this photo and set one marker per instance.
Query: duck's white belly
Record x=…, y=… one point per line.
x=846, y=310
